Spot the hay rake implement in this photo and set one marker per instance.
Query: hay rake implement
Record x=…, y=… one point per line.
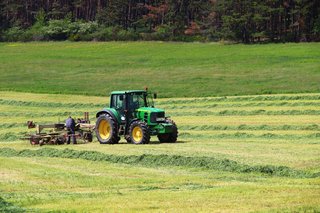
x=57, y=133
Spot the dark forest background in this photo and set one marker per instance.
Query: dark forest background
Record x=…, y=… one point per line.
x=246, y=21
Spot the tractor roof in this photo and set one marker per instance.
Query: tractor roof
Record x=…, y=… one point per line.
x=128, y=91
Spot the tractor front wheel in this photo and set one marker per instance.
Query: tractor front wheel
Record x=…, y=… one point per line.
x=139, y=132
x=106, y=130
x=169, y=137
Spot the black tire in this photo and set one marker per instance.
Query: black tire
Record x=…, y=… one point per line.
x=59, y=140
x=117, y=140
x=34, y=140
x=106, y=130
x=139, y=132
x=87, y=137
x=128, y=139
x=163, y=138
x=169, y=137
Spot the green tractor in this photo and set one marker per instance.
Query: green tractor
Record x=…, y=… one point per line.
x=132, y=114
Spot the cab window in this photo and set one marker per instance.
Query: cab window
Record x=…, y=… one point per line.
x=136, y=101
x=117, y=102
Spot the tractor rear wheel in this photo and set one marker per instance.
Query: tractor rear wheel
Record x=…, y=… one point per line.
x=139, y=132
x=169, y=137
x=106, y=130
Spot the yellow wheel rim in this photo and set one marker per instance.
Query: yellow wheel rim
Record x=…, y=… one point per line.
x=104, y=129
x=137, y=134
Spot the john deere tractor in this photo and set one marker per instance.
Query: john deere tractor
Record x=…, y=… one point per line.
x=132, y=114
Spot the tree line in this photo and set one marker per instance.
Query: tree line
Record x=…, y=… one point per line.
x=246, y=21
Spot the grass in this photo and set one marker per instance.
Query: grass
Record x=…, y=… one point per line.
x=80, y=185
x=161, y=161
x=234, y=154
x=171, y=69
x=248, y=153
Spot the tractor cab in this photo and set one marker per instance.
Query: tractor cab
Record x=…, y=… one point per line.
x=126, y=103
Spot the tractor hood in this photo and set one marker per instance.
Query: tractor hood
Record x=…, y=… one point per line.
x=151, y=115
x=149, y=109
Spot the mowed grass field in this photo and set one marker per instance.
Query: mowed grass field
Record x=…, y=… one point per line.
x=234, y=154
x=171, y=69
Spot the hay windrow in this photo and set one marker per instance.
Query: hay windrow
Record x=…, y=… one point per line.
x=49, y=104
x=311, y=127
x=13, y=136
x=245, y=135
x=240, y=104
x=150, y=160
x=247, y=98
x=9, y=207
x=248, y=112
x=43, y=114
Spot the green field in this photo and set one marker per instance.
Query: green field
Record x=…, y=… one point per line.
x=171, y=69
x=234, y=154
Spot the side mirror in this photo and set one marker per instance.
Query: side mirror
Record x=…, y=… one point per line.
x=155, y=95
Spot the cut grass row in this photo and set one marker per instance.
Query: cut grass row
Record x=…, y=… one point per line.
x=242, y=135
x=49, y=104
x=248, y=112
x=273, y=120
x=311, y=127
x=244, y=138
x=161, y=160
x=76, y=185
x=300, y=97
x=213, y=105
x=300, y=155
x=30, y=99
x=9, y=207
x=14, y=136
x=70, y=100
x=199, y=104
